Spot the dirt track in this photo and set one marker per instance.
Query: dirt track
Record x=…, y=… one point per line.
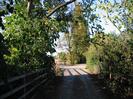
x=75, y=84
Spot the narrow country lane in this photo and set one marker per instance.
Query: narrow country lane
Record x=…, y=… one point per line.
x=75, y=84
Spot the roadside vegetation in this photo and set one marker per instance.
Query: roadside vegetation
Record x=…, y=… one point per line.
x=30, y=28
x=110, y=55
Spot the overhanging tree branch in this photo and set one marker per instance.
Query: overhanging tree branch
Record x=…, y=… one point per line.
x=30, y=4
x=60, y=6
x=113, y=23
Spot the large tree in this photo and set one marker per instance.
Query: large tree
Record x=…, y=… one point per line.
x=31, y=29
x=79, y=33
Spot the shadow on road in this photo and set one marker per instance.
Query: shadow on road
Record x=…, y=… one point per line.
x=74, y=84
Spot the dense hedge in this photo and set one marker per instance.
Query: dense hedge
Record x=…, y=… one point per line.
x=114, y=55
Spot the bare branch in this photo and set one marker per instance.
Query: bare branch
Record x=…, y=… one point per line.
x=60, y=6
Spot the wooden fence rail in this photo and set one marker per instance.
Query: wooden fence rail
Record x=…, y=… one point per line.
x=22, y=86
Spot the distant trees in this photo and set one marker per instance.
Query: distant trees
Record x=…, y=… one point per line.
x=79, y=34
x=77, y=37
x=63, y=57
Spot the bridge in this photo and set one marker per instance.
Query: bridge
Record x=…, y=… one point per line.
x=75, y=83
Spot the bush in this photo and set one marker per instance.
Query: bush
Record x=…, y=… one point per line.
x=92, y=59
x=114, y=55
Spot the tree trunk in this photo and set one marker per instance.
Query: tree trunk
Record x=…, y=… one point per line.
x=29, y=6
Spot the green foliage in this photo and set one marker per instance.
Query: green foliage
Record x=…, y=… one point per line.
x=29, y=39
x=92, y=59
x=114, y=56
x=119, y=58
x=79, y=35
x=83, y=24
x=92, y=56
x=62, y=56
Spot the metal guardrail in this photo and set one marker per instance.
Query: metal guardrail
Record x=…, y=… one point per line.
x=28, y=83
